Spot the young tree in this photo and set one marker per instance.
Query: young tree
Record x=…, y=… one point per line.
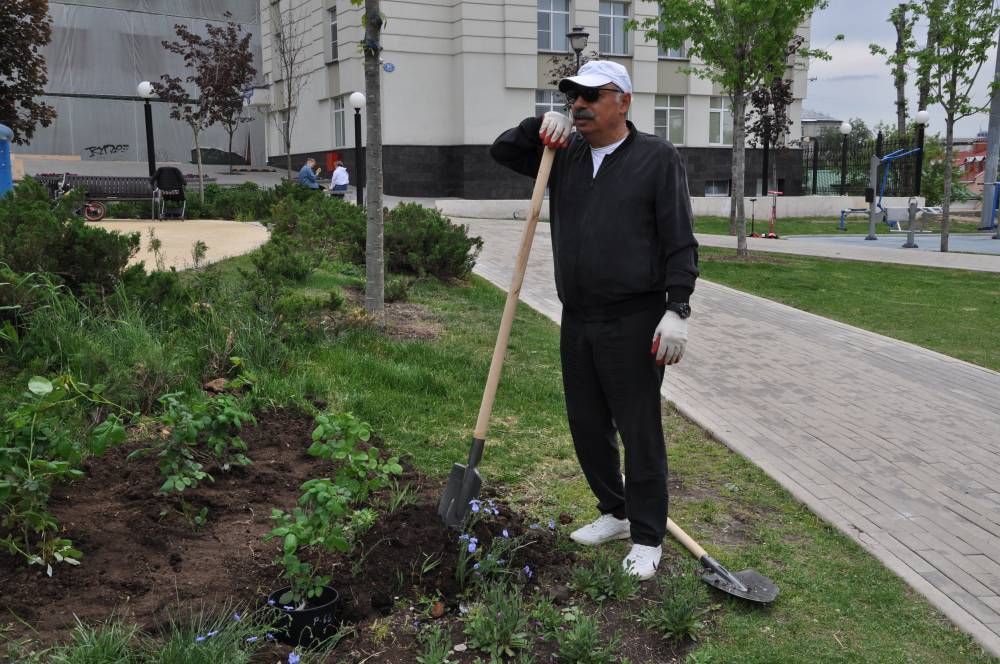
x=965, y=31
x=903, y=20
x=740, y=43
x=234, y=74
x=374, y=254
x=198, y=113
x=26, y=27
x=289, y=61
x=768, y=120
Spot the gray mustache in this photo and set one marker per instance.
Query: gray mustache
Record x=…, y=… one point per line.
x=583, y=114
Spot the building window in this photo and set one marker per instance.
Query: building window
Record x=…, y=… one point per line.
x=673, y=53
x=720, y=122
x=716, y=187
x=549, y=100
x=339, y=128
x=613, y=34
x=333, y=35
x=553, y=24
x=668, y=118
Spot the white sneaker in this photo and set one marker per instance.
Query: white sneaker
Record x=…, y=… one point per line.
x=605, y=529
x=642, y=561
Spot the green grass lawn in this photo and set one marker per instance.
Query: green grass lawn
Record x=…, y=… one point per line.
x=812, y=225
x=951, y=311
x=838, y=603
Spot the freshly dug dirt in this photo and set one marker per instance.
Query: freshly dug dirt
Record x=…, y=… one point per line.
x=145, y=561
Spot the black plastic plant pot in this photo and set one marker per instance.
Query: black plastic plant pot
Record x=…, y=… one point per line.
x=310, y=625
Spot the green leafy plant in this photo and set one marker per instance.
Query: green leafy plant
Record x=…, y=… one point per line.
x=435, y=645
x=195, y=433
x=583, y=643
x=681, y=605
x=38, y=448
x=604, y=579
x=280, y=260
x=329, y=515
x=498, y=623
x=400, y=496
x=397, y=289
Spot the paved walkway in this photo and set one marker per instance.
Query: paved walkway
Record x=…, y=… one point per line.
x=826, y=410
x=887, y=249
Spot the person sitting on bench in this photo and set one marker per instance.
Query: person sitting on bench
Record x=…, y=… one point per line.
x=339, y=181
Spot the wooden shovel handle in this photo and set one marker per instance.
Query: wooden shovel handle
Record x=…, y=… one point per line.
x=541, y=181
x=684, y=539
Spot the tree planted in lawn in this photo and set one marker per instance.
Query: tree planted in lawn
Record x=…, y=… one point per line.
x=964, y=33
x=26, y=27
x=234, y=74
x=738, y=44
x=289, y=61
x=198, y=114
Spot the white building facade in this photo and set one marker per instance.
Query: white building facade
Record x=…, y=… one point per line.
x=457, y=74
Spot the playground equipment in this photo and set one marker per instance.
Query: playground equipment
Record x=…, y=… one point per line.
x=6, y=160
x=774, y=213
x=993, y=211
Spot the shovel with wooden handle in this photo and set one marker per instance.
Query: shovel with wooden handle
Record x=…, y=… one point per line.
x=748, y=584
x=465, y=482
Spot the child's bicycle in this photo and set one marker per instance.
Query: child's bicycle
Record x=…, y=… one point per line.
x=90, y=210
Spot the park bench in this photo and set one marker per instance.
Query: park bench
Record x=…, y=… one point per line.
x=100, y=189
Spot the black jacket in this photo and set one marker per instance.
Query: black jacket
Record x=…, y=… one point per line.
x=622, y=240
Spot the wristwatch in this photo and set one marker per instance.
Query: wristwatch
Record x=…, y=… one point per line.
x=682, y=309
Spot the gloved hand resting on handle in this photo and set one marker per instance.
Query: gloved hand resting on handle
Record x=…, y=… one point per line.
x=670, y=338
x=555, y=130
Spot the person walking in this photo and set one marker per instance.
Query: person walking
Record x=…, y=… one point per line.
x=626, y=261
x=339, y=181
x=307, y=174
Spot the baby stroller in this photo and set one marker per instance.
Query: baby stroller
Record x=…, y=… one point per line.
x=168, y=193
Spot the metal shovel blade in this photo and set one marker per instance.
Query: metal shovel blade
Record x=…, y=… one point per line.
x=464, y=485
x=750, y=585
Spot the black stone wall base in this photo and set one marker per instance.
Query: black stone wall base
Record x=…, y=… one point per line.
x=467, y=171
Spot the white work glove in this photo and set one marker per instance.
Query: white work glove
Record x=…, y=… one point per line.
x=555, y=130
x=670, y=338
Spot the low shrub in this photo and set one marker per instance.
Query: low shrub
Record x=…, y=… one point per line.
x=37, y=235
x=423, y=242
x=397, y=289
x=583, y=643
x=328, y=228
x=280, y=260
x=681, y=605
x=605, y=579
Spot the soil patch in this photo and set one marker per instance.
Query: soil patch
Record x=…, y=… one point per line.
x=145, y=561
x=403, y=320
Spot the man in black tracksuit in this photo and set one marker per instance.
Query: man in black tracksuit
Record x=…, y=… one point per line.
x=625, y=266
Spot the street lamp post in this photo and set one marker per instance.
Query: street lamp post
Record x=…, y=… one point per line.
x=357, y=101
x=765, y=181
x=145, y=90
x=922, y=118
x=577, y=41
x=845, y=129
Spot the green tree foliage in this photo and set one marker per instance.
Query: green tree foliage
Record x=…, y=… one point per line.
x=26, y=27
x=742, y=43
x=964, y=31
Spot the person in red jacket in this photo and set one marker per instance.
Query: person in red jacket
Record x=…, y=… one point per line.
x=626, y=262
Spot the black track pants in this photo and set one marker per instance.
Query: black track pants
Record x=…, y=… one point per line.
x=612, y=383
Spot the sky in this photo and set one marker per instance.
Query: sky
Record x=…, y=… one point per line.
x=856, y=83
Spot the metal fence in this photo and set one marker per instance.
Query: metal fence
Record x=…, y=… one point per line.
x=832, y=167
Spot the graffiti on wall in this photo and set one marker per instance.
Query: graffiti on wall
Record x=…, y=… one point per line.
x=106, y=150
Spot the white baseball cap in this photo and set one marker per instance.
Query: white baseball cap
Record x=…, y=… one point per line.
x=596, y=73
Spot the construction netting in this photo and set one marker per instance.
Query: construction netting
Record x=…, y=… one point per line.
x=105, y=48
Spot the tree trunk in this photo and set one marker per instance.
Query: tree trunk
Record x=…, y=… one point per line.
x=924, y=79
x=899, y=73
x=737, y=215
x=374, y=258
x=946, y=194
x=201, y=177
x=231, y=151
x=287, y=136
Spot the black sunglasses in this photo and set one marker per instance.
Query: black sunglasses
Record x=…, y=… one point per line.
x=590, y=95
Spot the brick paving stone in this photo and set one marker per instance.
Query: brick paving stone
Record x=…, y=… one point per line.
x=826, y=410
